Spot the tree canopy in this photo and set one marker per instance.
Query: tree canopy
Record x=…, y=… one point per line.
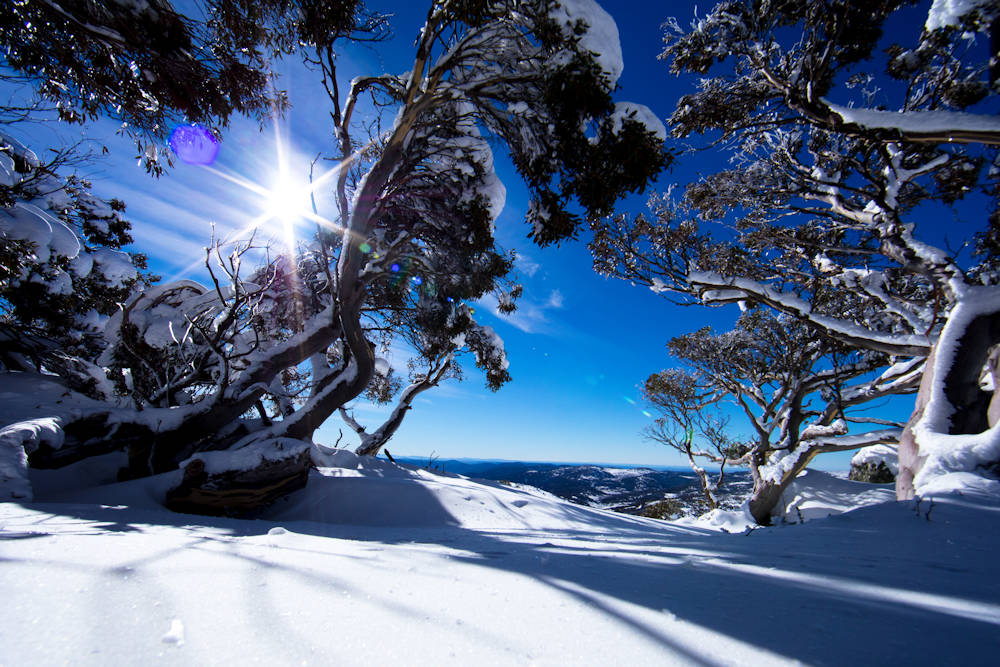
x=841, y=142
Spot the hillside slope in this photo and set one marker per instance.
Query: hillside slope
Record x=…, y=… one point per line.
x=374, y=563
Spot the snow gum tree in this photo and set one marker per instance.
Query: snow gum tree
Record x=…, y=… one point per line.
x=61, y=268
x=233, y=379
x=797, y=388
x=150, y=66
x=845, y=147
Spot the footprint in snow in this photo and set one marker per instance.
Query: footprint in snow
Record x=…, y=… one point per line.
x=175, y=635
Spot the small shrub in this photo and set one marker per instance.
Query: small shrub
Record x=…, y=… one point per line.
x=872, y=473
x=668, y=508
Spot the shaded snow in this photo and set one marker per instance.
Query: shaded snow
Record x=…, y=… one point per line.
x=815, y=495
x=931, y=122
x=452, y=571
x=601, y=37
x=948, y=13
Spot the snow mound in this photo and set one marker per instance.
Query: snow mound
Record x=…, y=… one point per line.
x=601, y=37
x=815, y=495
x=960, y=483
x=16, y=442
x=361, y=490
x=725, y=521
x=877, y=454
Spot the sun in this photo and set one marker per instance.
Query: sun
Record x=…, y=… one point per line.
x=287, y=202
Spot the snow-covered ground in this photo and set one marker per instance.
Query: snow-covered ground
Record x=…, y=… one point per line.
x=378, y=564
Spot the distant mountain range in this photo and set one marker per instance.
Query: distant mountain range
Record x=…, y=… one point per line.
x=611, y=487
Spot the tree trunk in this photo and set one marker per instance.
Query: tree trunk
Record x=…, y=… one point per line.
x=238, y=492
x=373, y=443
x=767, y=492
x=958, y=396
x=706, y=487
x=910, y=460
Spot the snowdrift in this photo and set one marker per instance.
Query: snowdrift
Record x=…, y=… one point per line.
x=378, y=563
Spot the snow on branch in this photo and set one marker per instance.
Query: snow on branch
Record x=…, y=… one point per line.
x=924, y=126
x=713, y=287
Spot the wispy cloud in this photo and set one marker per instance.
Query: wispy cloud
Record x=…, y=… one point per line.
x=526, y=265
x=530, y=317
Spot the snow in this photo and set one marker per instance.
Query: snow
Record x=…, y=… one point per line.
x=816, y=431
x=725, y=521
x=877, y=454
x=248, y=457
x=948, y=13
x=640, y=113
x=32, y=409
x=116, y=266
x=601, y=38
x=175, y=635
x=26, y=222
x=815, y=495
x=945, y=453
x=14, y=482
x=374, y=563
x=920, y=122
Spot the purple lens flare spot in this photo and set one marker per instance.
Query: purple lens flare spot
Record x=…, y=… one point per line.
x=194, y=144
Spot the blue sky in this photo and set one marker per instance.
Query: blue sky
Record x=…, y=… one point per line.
x=579, y=345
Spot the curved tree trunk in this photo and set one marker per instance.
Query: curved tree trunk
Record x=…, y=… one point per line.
x=372, y=443
x=157, y=439
x=951, y=389
x=767, y=491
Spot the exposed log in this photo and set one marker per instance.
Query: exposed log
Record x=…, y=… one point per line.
x=238, y=492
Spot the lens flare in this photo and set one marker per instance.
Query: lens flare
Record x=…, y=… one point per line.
x=365, y=248
x=194, y=144
x=287, y=201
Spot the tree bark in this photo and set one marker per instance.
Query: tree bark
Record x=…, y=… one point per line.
x=237, y=492
x=968, y=404
x=371, y=445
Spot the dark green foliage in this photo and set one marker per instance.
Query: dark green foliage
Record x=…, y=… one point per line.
x=665, y=509
x=151, y=66
x=873, y=473
x=52, y=300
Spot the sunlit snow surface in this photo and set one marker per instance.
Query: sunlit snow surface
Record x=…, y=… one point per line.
x=378, y=564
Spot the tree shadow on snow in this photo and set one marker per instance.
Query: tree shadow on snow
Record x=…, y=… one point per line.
x=828, y=592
